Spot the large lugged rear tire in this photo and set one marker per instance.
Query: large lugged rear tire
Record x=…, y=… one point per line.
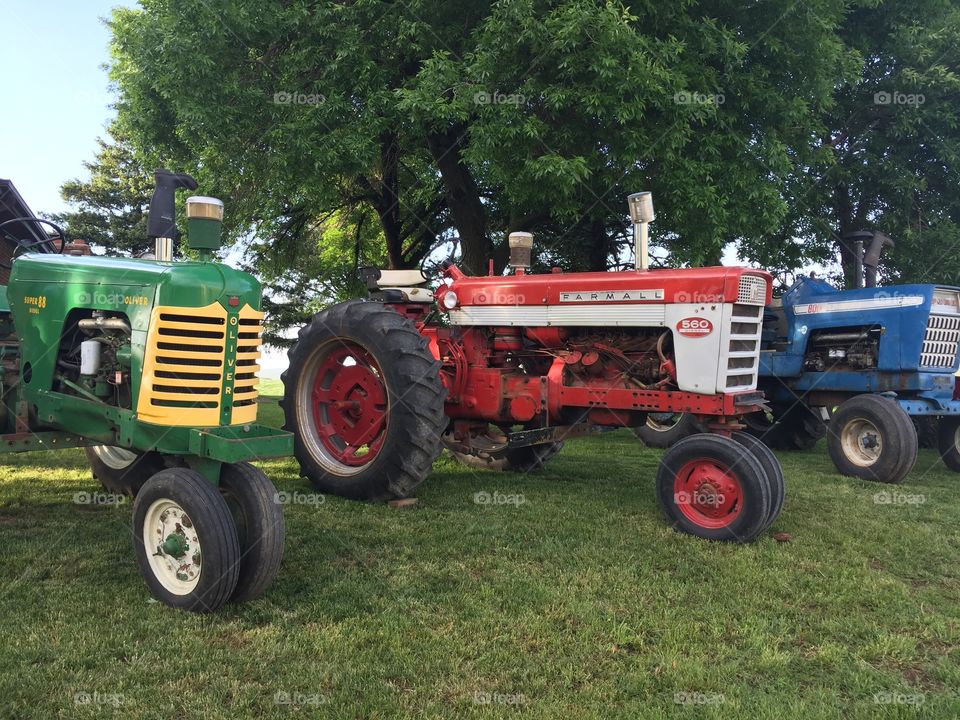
x=185, y=541
x=709, y=487
x=664, y=429
x=948, y=441
x=794, y=427
x=364, y=401
x=872, y=438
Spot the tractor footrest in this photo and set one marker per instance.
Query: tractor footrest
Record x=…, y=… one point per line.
x=240, y=443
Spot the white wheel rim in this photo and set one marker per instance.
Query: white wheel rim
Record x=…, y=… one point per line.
x=115, y=458
x=670, y=421
x=861, y=441
x=172, y=545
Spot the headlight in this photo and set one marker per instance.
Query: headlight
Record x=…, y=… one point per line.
x=450, y=300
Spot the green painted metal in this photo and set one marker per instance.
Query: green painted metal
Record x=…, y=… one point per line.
x=47, y=292
x=204, y=233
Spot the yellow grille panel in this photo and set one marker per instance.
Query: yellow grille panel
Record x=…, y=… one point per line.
x=246, y=379
x=183, y=366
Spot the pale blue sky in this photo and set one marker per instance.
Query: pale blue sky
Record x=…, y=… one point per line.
x=51, y=56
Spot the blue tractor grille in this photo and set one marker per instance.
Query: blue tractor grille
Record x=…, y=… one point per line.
x=940, y=342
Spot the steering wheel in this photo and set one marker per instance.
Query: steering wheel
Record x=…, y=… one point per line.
x=26, y=246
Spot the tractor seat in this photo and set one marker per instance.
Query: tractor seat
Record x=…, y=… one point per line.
x=400, y=278
x=407, y=283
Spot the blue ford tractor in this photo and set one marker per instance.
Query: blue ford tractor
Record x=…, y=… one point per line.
x=861, y=365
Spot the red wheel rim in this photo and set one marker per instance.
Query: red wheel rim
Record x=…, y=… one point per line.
x=708, y=493
x=350, y=404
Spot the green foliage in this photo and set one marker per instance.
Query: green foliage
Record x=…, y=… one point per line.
x=347, y=133
x=111, y=206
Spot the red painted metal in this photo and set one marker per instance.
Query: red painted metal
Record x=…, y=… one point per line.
x=708, y=285
x=350, y=404
x=708, y=493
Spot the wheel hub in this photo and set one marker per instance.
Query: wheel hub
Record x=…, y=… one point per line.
x=862, y=442
x=176, y=559
x=349, y=403
x=708, y=493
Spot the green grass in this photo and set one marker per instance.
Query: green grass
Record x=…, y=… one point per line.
x=579, y=602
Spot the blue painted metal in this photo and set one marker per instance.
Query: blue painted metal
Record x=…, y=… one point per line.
x=902, y=311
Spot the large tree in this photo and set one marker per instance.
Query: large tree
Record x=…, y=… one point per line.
x=472, y=119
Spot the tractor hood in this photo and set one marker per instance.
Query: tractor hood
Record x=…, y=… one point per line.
x=188, y=284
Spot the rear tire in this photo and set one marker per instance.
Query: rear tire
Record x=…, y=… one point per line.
x=948, y=442
x=709, y=487
x=872, y=438
x=364, y=401
x=928, y=431
x=258, y=515
x=664, y=429
x=795, y=427
x=185, y=541
x=120, y=470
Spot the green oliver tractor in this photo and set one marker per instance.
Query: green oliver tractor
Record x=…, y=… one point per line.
x=151, y=366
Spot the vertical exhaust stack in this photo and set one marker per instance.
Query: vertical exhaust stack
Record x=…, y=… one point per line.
x=162, y=218
x=521, y=251
x=641, y=213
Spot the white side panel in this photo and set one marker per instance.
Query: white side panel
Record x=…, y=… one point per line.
x=697, y=357
x=600, y=315
x=740, y=348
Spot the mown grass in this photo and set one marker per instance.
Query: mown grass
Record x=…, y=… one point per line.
x=576, y=602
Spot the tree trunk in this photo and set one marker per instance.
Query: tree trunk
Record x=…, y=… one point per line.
x=463, y=200
x=845, y=225
x=599, y=245
x=387, y=202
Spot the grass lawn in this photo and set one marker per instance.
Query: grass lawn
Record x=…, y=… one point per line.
x=573, y=601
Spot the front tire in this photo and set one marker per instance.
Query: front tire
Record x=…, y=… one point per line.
x=709, y=487
x=872, y=438
x=364, y=400
x=185, y=541
x=948, y=442
x=261, y=531
x=120, y=470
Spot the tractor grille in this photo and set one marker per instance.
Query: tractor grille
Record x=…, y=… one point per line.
x=738, y=370
x=941, y=342
x=183, y=367
x=195, y=360
x=753, y=290
x=246, y=380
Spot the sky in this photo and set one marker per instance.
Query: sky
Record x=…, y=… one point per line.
x=52, y=56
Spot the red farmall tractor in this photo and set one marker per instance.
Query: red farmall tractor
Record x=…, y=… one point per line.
x=500, y=370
